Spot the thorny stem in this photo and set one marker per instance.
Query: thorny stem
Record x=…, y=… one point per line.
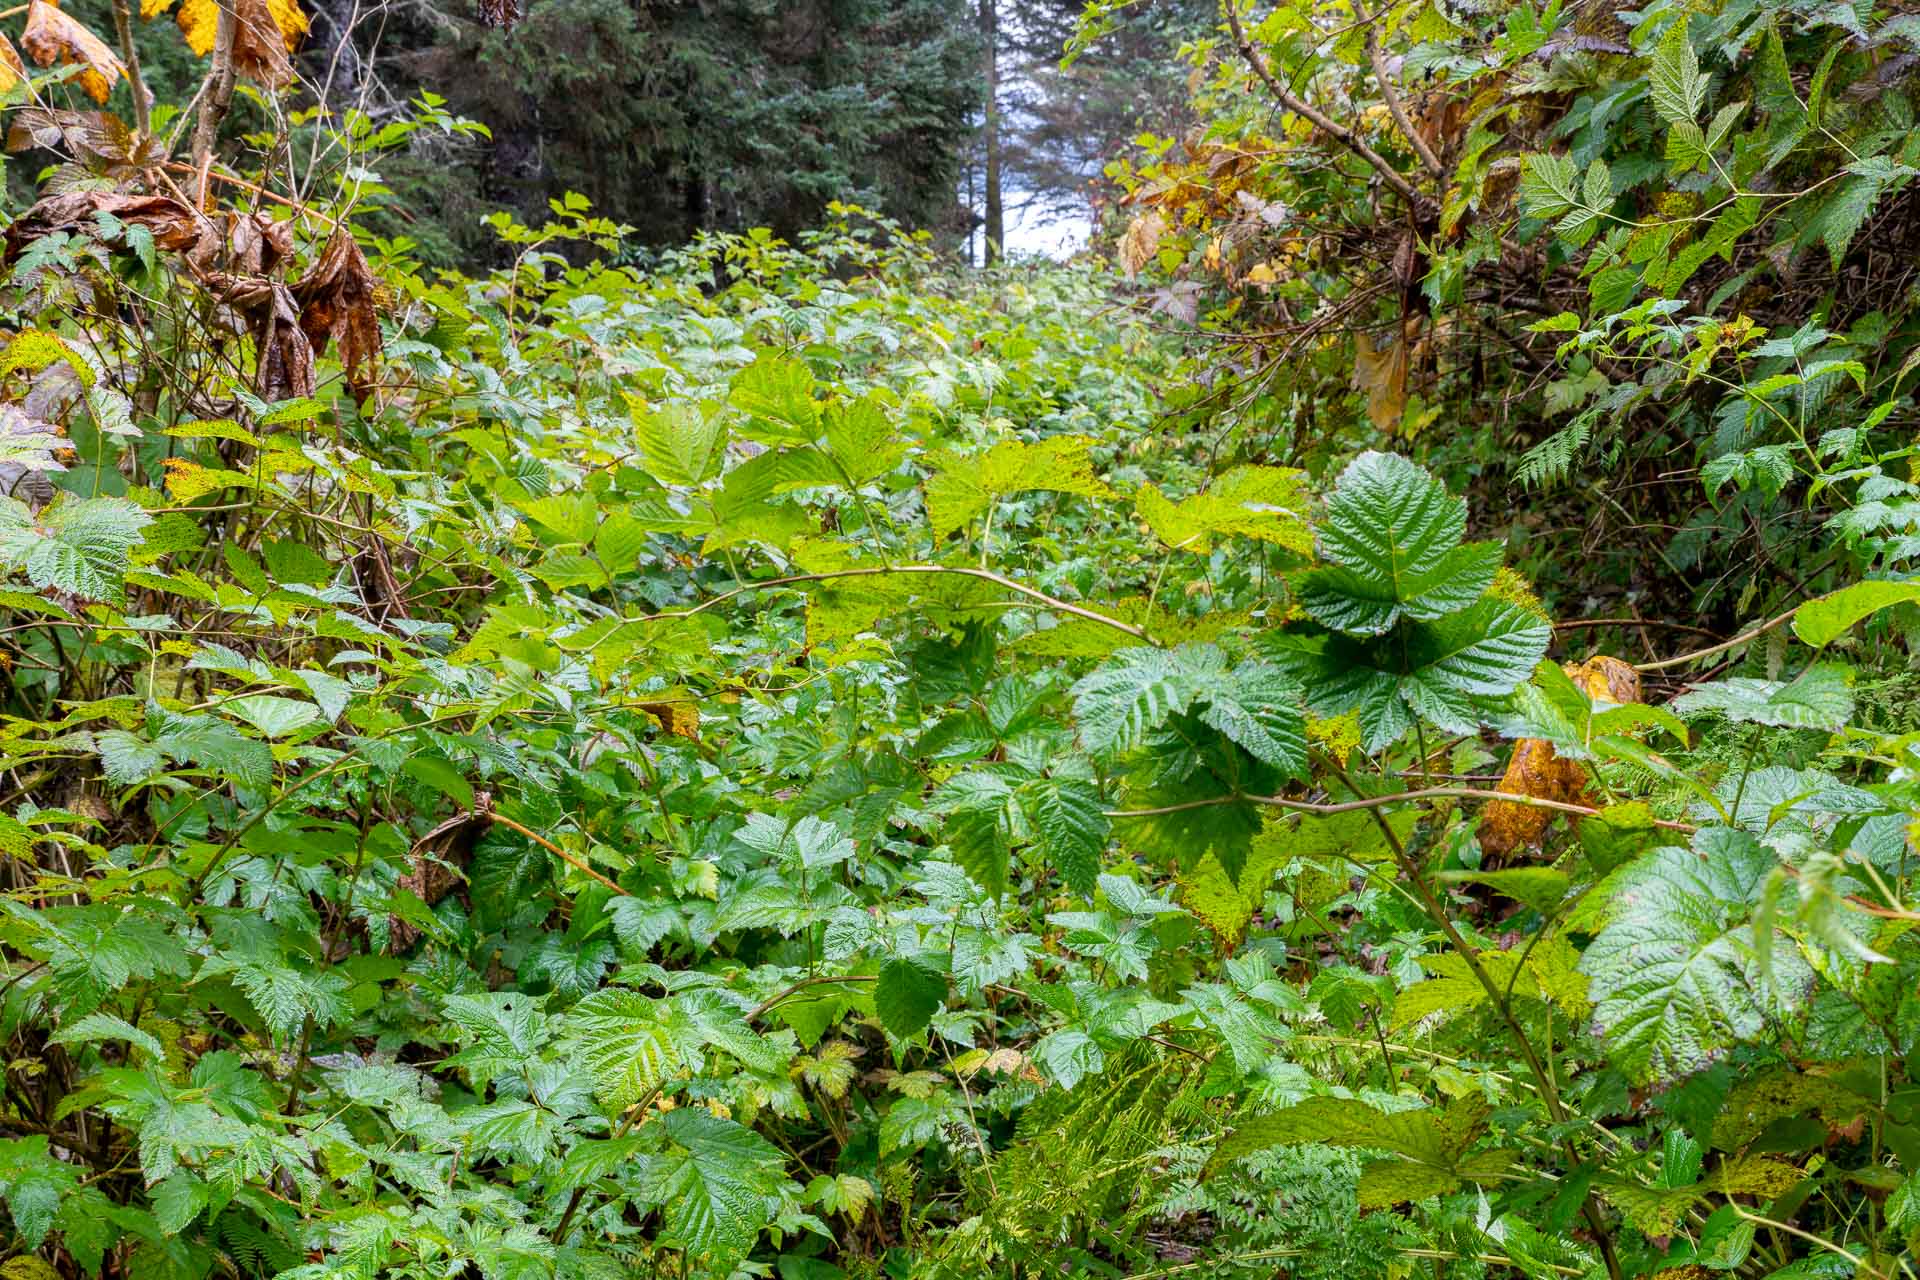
x=219, y=98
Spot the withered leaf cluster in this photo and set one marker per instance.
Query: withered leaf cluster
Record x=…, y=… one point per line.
x=504, y=14
x=240, y=258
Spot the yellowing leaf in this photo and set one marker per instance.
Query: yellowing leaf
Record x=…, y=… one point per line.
x=1267, y=504
x=1382, y=374
x=1141, y=241
x=681, y=719
x=964, y=487
x=265, y=32
x=12, y=70
x=52, y=36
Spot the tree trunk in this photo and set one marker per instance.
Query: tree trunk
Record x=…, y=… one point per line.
x=995, y=231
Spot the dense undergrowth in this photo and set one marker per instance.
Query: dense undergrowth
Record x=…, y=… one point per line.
x=811, y=762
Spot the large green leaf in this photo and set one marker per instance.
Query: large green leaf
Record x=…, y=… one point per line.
x=715, y=1188
x=1821, y=621
x=1392, y=537
x=1257, y=706
x=909, y=991
x=1678, y=975
x=1069, y=817
x=1821, y=697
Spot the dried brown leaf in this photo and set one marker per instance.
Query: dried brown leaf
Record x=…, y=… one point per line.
x=285, y=357
x=265, y=33
x=337, y=302
x=53, y=36
x=174, y=226
x=504, y=14
x=1382, y=374
x=1141, y=241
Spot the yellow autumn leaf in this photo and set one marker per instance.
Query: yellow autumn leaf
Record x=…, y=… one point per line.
x=265, y=32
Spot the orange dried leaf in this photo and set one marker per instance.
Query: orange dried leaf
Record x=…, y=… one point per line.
x=265, y=32
x=1534, y=770
x=12, y=70
x=1606, y=679
x=53, y=36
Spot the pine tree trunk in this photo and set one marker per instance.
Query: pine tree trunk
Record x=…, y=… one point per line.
x=995, y=232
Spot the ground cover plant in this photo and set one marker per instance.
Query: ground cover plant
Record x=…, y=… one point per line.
x=811, y=761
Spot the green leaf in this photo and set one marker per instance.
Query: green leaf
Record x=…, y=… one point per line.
x=105, y=1026
x=273, y=716
x=681, y=442
x=1541, y=888
x=862, y=440
x=777, y=394
x=1069, y=817
x=1821, y=621
x=1257, y=706
x=623, y=1044
x=1267, y=504
x=1821, y=697
x=715, y=1190
x=1677, y=975
x=1675, y=82
x=963, y=487
x=1392, y=535
x=1433, y=1139
x=908, y=992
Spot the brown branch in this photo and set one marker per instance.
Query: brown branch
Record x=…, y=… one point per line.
x=1581, y=624
x=142, y=100
x=559, y=853
x=1722, y=647
x=1399, y=112
x=1387, y=801
x=220, y=77
x=1307, y=111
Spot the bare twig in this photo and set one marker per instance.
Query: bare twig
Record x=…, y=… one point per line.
x=1430, y=161
x=1307, y=111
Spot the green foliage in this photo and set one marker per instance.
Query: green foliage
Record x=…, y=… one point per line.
x=783, y=764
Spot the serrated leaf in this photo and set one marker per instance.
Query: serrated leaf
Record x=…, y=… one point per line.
x=1677, y=976
x=1675, y=82
x=1392, y=534
x=1069, y=817
x=680, y=442
x=1819, y=622
x=776, y=392
x=714, y=1190
x=908, y=992
x=1821, y=697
